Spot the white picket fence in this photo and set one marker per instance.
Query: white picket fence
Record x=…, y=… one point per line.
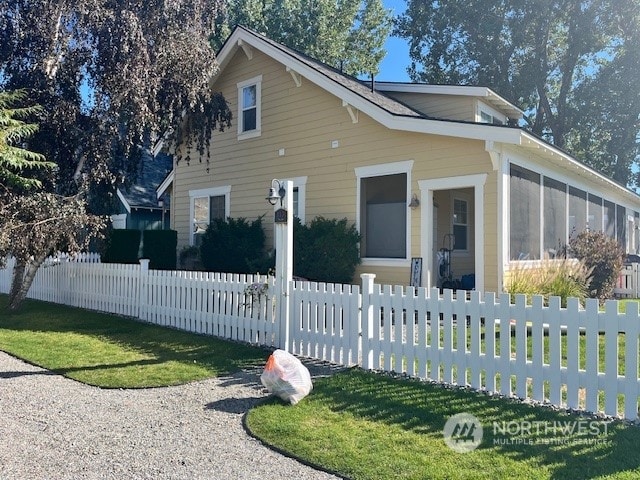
x=628, y=284
x=580, y=358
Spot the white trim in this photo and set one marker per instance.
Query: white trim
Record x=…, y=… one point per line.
x=301, y=184
x=427, y=187
x=123, y=200
x=166, y=183
x=392, y=168
x=242, y=134
x=208, y=192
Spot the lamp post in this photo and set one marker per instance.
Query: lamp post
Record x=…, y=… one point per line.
x=283, y=243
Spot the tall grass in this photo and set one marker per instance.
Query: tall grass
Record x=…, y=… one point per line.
x=562, y=278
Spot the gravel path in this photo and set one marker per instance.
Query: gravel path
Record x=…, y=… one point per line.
x=55, y=428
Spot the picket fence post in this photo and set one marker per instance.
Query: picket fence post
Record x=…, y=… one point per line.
x=143, y=287
x=366, y=322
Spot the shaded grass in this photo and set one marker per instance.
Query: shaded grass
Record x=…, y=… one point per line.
x=368, y=426
x=116, y=352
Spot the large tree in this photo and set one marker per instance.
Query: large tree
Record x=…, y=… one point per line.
x=347, y=34
x=560, y=60
x=110, y=75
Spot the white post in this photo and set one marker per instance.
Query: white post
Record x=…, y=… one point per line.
x=143, y=286
x=284, y=264
x=367, y=326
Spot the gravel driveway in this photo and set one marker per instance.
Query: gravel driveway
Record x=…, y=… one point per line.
x=55, y=428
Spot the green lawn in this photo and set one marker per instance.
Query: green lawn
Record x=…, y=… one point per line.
x=116, y=352
x=359, y=424
x=367, y=426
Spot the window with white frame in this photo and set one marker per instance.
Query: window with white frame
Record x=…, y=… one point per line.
x=207, y=205
x=460, y=224
x=383, y=211
x=249, y=107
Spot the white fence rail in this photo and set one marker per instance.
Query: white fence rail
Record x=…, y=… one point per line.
x=575, y=357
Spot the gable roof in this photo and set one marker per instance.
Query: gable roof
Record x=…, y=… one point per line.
x=395, y=115
x=142, y=192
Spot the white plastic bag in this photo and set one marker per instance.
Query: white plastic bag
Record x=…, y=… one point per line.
x=285, y=376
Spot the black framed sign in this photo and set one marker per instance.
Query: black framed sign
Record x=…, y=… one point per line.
x=280, y=216
x=416, y=272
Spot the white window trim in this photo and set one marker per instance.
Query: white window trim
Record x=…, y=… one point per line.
x=242, y=135
x=392, y=168
x=207, y=192
x=487, y=109
x=427, y=187
x=301, y=184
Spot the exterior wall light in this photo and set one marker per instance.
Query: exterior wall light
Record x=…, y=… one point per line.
x=276, y=192
x=415, y=203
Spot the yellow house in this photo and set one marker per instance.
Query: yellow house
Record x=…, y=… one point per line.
x=418, y=168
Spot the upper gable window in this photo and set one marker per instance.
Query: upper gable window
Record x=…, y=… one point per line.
x=487, y=114
x=249, y=107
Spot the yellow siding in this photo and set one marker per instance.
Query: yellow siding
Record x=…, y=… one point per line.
x=439, y=106
x=304, y=121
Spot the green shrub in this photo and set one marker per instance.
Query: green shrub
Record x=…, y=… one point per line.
x=553, y=278
x=121, y=246
x=326, y=250
x=159, y=246
x=604, y=255
x=234, y=246
x=190, y=258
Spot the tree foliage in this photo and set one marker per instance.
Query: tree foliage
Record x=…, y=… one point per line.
x=17, y=162
x=110, y=76
x=347, y=34
x=571, y=65
x=36, y=225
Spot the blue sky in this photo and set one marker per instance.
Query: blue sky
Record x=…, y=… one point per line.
x=394, y=67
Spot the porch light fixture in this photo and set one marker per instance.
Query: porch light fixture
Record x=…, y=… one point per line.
x=415, y=203
x=276, y=192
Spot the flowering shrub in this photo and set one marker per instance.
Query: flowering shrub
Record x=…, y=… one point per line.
x=256, y=290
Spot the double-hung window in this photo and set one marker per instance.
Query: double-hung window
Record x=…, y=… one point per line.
x=461, y=224
x=249, y=107
x=207, y=205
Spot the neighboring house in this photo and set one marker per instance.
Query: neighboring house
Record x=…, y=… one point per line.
x=139, y=206
x=415, y=167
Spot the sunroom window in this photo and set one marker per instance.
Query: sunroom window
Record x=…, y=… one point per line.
x=555, y=217
x=525, y=214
